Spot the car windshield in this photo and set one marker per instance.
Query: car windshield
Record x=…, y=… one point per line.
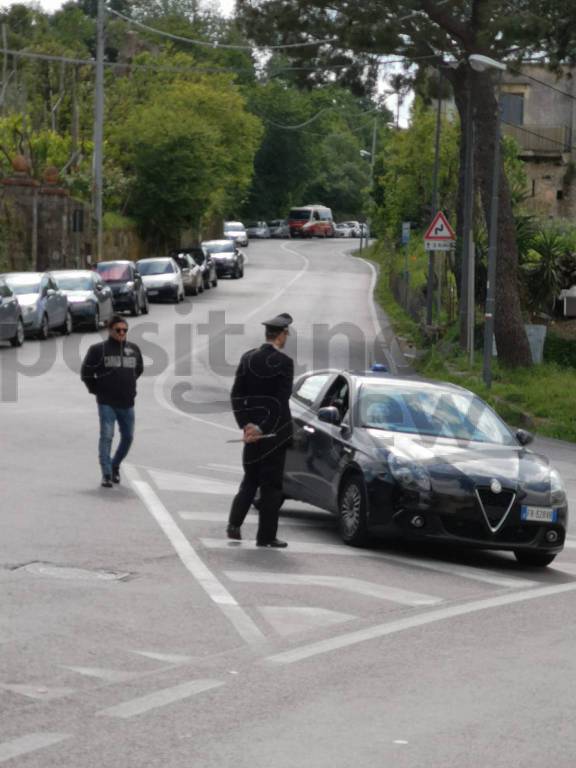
x=153, y=267
x=433, y=411
x=233, y=226
x=299, y=215
x=114, y=272
x=22, y=285
x=220, y=247
x=74, y=282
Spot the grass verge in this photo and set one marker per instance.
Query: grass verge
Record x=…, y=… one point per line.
x=541, y=399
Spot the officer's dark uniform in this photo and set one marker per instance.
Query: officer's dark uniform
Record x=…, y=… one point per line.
x=260, y=396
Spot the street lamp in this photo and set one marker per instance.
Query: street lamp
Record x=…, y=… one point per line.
x=481, y=64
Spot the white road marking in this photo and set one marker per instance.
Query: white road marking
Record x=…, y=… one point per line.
x=570, y=543
x=358, y=586
x=177, y=481
x=290, y=620
x=430, y=617
x=205, y=578
x=29, y=743
x=222, y=517
x=169, y=658
x=310, y=548
x=225, y=468
x=377, y=327
x=110, y=675
x=38, y=692
x=159, y=699
x=563, y=567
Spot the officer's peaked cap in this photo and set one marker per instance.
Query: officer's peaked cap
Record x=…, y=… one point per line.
x=281, y=321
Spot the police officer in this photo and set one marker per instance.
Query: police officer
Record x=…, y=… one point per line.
x=260, y=400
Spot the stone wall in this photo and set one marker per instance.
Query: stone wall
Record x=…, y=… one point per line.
x=123, y=244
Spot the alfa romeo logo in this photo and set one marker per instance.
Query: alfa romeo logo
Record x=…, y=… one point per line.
x=495, y=486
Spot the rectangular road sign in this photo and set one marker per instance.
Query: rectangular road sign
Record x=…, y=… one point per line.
x=439, y=245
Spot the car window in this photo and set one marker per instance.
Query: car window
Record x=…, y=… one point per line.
x=21, y=285
x=338, y=396
x=5, y=292
x=155, y=267
x=111, y=272
x=75, y=282
x=309, y=389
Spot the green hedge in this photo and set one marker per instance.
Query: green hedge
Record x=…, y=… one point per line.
x=560, y=350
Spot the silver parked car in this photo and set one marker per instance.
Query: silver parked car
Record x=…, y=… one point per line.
x=162, y=278
x=235, y=230
x=279, y=228
x=192, y=274
x=89, y=298
x=11, y=323
x=228, y=258
x=44, y=306
x=258, y=229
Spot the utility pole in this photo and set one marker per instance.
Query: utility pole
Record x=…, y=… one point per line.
x=467, y=273
x=430, y=285
x=97, y=171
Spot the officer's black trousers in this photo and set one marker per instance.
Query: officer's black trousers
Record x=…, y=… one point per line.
x=263, y=469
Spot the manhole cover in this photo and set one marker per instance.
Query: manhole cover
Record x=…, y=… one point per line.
x=73, y=574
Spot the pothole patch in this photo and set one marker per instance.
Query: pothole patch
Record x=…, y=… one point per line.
x=70, y=573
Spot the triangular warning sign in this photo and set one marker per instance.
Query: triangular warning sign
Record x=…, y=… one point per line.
x=440, y=229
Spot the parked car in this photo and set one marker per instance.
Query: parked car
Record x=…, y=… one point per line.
x=11, y=323
x=89, y=298
x=192, y=275
x=206, y=264
x=235, y=230
x=258, y=229
x=125, y=282
x=228, y=258
x=279, y=228
x=44, y=306
x=311, y=221
x=343, y=230
x=421, y=460
x=162, y=278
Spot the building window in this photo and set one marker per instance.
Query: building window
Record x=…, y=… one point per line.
x=533, y=187
x=513, y=108
x=559, y=194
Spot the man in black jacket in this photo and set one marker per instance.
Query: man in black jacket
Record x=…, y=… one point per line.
x=110, y=370
x=261, y=403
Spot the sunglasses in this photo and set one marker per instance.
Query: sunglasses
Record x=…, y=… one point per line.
x=120, y=330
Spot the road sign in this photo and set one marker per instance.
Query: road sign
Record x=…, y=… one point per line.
x=439, y=236
x=405, y=232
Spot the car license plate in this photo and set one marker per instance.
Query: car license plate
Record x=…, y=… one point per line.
x=153, y=293
x=538, y=514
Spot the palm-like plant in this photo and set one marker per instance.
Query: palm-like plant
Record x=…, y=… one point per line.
x=543, y=270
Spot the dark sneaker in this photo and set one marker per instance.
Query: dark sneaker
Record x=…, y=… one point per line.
x=115, y=474
x=107, y=482
x=274, y=544
x=233, y=532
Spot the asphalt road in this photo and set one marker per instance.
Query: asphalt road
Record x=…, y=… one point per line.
x=133, y=634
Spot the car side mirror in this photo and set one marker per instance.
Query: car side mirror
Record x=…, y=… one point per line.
x=330, y=414
x=524, y=437
x=50, y=292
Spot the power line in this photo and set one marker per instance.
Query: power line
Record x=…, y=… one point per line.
x=566, y=146
x=216, y=44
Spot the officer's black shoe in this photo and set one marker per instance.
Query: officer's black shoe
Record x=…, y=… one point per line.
x=275, y=544
x=233, y=532
x=115, y=474
x=107, y=482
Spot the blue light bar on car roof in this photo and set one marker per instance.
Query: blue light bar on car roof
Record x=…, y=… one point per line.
x=379, y=368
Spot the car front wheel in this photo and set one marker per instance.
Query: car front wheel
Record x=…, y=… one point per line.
x=96, y=320
x=44, y=328
x=66, y=327
x=533, y=559
x=352, y=507
x=18, y=339
x=135, y=311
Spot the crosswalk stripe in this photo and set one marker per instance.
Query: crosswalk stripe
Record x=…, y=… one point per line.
x=309, y=548
x=358, y=586
x=110, y=675
x=29, y=743
x=160, y=698
x=235, y=470
x=169, y=658
x=291, y=620
x=176, y=481
x=222, y=517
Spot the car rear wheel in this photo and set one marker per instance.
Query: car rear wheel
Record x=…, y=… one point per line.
x=145, y=306
x=533, y=559
x=135, y=311
x=215, y=282
x=44, y=328
x=18, y=339
x=353, y=513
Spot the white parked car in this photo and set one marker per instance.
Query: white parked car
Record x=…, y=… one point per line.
x=236, y=231
x=344, y=229
x=279, y=228
x=162, y=278
x=258, y=229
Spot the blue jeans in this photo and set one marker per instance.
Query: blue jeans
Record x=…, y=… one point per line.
x=108, y=416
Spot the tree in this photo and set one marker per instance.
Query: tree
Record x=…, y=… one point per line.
x=418, y=29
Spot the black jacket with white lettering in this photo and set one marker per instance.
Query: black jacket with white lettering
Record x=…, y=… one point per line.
x=110, y=370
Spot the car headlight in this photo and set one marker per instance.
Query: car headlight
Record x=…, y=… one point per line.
x=28, y=309
x=409, y=474
x=557, y=488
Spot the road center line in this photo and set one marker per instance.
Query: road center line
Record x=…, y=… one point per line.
x=29, y=743
x=159, y=698
x=205, y=578
x=393, y=627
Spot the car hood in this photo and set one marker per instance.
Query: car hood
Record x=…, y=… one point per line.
x=28, y=299
x=473, y=463
x=78, y=295
x=224, y=255
x=168, y=278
